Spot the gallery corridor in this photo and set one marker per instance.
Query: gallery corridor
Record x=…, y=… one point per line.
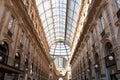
x=59, y=39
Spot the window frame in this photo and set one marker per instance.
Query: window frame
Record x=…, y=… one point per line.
x=102, y=22
x=11, y=23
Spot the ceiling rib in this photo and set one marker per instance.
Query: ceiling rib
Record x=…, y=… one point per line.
x=66, y=20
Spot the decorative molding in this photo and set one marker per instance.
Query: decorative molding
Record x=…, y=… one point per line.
x=105, y=38
x=117, y=23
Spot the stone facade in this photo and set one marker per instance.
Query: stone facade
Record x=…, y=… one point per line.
x=97, y=54
x=23, y=56
x=53, y=72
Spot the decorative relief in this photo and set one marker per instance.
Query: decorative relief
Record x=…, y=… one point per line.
x=118, y=23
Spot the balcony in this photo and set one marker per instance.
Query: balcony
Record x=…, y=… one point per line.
x=110, y=60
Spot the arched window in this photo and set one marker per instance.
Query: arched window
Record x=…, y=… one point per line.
x=26, y=64
x=31, y=68
x=108, y=48
x=96, y=57
x=89, y=69
x=17, y=60
x=4, y=52
x=11, y=26
x=97, y=66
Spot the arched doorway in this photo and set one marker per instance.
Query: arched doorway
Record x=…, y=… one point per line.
x=4, y=52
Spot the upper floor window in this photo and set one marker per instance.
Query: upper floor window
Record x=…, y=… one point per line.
x=4, y=52
x=102, y=22
x=108, y=48
x=96, y=57
x=87, y=45
x=17, y=60
x=31, y=68
x=11, y=22
x=28, y=45
x=117, y=3
x=26, y=64
x=92, y=36
x=22, y=36
x=89, y=1
x=10, y=26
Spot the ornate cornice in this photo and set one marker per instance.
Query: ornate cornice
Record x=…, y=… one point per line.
x=90, y=17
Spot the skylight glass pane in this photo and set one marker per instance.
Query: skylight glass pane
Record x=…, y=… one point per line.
x=74, y=17
x=64, y=1
x=49, y=13
x=46, y=29
x=53, y=15
x=48, y=5
x=71, y=5
x=63, y=6
x=70, y=13
x=53, y=1
x=38, y=2
x=43, y=17
x=45, y=24
x=57, y=5
x=50, y=20
x=40, y=9
x=76, y=8
x=54, y=6
x=57, y=1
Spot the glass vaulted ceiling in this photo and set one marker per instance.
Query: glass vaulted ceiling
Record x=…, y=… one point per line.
x=59, y=19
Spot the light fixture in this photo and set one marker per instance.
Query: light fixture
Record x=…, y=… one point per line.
x=16, y=65
x=26, y=69
x=1, y=58
x=96, y=65
x=2, y=43
x=110, y=58
x=17, y=54
x=82, y=73
x=88, y=70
